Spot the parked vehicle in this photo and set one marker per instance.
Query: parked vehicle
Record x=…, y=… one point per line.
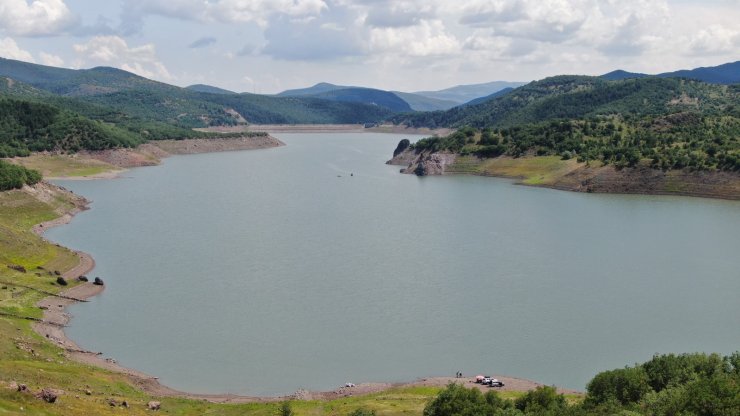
x=495, y=383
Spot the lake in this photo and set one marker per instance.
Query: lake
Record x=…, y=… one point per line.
x=315, y=264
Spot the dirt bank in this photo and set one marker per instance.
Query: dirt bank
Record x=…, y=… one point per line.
x=569, y=175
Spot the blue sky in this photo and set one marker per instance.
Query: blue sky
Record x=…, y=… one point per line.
x=267, y=46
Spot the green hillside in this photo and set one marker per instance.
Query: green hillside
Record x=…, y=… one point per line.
x=209, y=89
x=27, y=126
x=464, y=93
x=422, y=103
x=117, y=96
x=572, y=97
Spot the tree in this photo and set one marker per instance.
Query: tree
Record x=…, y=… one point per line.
x=543, y=398
x=286, y=409
x=456, y=400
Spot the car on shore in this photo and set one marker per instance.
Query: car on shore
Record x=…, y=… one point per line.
x=495, y=383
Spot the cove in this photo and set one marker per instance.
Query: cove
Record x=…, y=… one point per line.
x=310, y=265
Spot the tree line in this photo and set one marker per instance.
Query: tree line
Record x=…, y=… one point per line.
x=675, y=141
x=687, y=385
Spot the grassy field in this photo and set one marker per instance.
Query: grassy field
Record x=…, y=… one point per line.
x=543, y=170
x=26, y=357
x=56, y=166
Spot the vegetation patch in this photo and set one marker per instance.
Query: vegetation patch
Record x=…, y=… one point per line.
x=62, y=165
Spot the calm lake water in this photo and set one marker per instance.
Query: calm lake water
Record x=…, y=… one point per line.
x=261, y=272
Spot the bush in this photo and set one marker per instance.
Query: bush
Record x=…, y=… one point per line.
x=14, y=177
x=456, y=400
x=625, y=386
x=543, y=398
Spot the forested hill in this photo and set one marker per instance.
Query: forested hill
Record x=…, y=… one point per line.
x=577, y=97
x=27, y=126
x=95, y=91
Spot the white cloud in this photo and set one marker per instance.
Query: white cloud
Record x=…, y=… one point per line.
x=714, y=40
x=338, y=34
x=51, y=60
x=425, y=39
x=10, y=50
x=225, y=11
x=37, y=18
x=542, y=20
x=114, y=51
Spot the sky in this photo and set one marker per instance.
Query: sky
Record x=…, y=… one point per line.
x=267, y=46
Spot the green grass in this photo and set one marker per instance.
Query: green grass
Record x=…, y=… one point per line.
x=56, y=166
x=539, y=170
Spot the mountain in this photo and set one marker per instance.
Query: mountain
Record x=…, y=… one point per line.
x=464, y=93
x=413, y=102
x=160, y=110
x=209, y=89
x=34, y=126
x=340, y=93
x=620, y=75
x=490, y=97
x=570, y=96
x=77, y=82
x=728, y=73
x=319, y=88
x=422, y=103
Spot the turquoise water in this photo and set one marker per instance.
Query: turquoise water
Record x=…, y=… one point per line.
x=261, y=272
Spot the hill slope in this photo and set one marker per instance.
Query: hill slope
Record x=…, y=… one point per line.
x=464, y=93
x=209, y=89
x=27, y=126
x=569, y=97
x=728, y=73
x=371, y=96
x=167, y=111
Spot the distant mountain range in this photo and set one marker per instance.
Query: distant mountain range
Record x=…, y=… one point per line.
x=577, y=97
x=159, y=110
x=396, y=101
x=464, y=93
x=416, y=101
x=120, y=97
x=728, y=73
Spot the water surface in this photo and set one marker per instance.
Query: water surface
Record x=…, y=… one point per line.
x=307, y=266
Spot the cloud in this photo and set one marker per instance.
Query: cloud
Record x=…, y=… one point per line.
x=10, y=50
x=247, y=50
x=202, y=42
x=542, y=20
x=224, y=11
x=398, y=13
x=714, y=40
x=337, y=34
x=114, y=51
x=37, y=18
x=51, y=60
x=428, y=38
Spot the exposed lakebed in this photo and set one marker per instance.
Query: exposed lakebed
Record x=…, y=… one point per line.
x=310, y=265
